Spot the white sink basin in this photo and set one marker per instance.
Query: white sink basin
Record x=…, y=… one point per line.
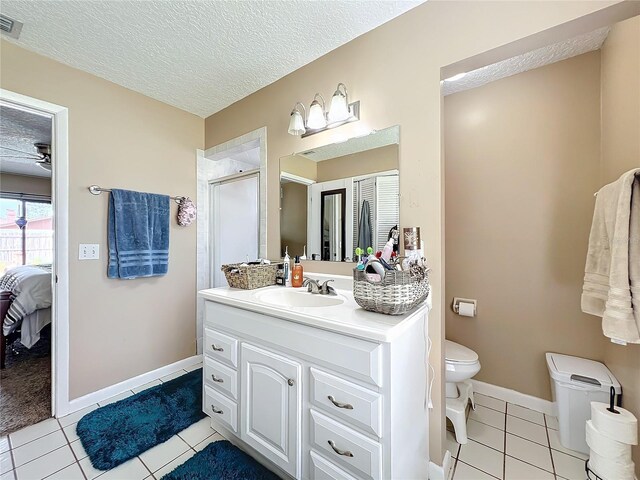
x=287, y=297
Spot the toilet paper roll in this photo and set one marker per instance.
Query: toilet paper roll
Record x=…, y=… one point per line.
x=622, y=427
x=466, y=309
x=610, y=469
x=606, y=447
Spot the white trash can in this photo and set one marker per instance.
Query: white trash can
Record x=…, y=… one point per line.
x=575, y=383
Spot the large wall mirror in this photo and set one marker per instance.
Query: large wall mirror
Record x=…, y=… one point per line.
x=341, y=196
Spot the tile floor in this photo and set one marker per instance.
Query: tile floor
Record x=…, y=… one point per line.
x=52, y=450
x=506, y=442
x=510, y=442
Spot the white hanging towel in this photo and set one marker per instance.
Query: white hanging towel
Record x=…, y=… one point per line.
x=612, y=272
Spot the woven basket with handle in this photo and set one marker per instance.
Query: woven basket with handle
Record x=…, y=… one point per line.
x=395, y=294
x=249, y=277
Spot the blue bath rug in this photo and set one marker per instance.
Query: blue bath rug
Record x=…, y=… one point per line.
x=221, y=461
x=120, y=431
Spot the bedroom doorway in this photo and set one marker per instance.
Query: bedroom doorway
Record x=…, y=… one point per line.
x=26, y=258
x=33, y=261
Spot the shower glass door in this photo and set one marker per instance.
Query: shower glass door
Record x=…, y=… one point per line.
x=235, y=223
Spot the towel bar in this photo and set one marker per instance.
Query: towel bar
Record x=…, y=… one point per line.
x=96, y=190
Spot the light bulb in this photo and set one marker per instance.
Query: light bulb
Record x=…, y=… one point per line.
x=339, y=109
x=296, y=123
x=316, y=116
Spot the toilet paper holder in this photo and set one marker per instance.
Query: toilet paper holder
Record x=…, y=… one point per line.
x=456, y=305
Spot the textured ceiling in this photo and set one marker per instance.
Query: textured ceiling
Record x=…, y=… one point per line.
x=196, y=55
x=19, y=130
x=528, y=61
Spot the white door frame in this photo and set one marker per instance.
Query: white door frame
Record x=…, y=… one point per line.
x=60, y=272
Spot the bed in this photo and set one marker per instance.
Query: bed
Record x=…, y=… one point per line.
x=25, y=305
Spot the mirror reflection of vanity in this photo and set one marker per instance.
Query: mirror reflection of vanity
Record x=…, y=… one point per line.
x=340, y=196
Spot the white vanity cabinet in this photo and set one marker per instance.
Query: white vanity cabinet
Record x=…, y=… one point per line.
x=271, y=406
x=316, y=397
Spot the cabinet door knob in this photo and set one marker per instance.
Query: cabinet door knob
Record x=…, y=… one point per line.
x=215, y=410
x=345, y=453
x=216, y=348
x=290, y=382
x=216, y=379
x=348, y=406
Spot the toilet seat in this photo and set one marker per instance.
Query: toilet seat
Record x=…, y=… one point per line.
x=457, y=354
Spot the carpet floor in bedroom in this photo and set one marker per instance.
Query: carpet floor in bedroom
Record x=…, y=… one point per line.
x=25, y=385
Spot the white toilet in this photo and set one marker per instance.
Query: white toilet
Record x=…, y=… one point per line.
x=461, y=364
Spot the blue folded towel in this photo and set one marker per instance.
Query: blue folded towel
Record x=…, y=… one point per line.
x=138, y=234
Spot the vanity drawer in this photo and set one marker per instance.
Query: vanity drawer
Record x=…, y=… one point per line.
x=323, y=469
x=223, y=378
x=220, y=408
x=346, y=447
x=350, y=356
x=344, y=399
x=221, y=347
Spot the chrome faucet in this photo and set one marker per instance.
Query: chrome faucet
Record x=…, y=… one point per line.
x=326, y=289
x=314, y=287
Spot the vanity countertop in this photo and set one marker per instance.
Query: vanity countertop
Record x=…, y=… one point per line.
x=346, y=318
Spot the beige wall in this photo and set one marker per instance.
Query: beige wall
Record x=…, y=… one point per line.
x=293, y=223
x=371, y=161
x=522, y=156
x=118, y=138
x=621, y=153
x=300, y=166
x=25, y=184
x=395, y=72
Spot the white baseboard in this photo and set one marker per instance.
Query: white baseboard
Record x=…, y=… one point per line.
x=512, y=396
x=108, y=392
x=437, y=472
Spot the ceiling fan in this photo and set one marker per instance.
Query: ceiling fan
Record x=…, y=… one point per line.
x=42, y=158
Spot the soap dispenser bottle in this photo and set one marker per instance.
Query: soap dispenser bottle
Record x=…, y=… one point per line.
x=297, y=276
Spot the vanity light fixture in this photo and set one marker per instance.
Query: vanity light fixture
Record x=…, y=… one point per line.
x=317, y=116
x=339, y=110
x=319, y=120
x=297, y=121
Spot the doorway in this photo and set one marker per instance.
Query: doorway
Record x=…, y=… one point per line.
x=26, y=256
x=235, y=170
x=34, y=198
x=526, y=143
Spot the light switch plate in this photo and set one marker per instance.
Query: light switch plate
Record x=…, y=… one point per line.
x=89, y=251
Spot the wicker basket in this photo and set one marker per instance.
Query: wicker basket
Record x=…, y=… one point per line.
x=248, y=277
x=397, y=293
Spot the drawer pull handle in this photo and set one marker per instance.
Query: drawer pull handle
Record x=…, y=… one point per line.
x=348, y=406
x=216, y=379
x=346, y=453
x=216, y=348
x=215, y=410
